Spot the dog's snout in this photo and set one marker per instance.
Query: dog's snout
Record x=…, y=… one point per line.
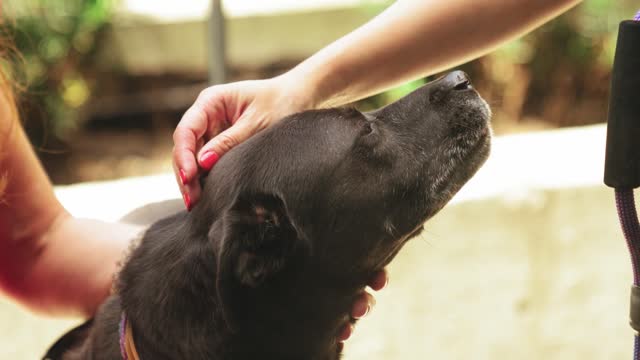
x=447, y=85
x=457, y=80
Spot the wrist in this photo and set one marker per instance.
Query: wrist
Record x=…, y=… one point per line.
x=295, y=91
x=313, y=87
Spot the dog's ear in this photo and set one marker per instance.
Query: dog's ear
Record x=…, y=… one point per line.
x=259, y=241
x=258, y=238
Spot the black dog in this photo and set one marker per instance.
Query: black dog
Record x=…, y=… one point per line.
x=290, y=226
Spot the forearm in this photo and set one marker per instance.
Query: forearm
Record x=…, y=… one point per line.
x=49, y=261
x=412, y=39
x=70, y=268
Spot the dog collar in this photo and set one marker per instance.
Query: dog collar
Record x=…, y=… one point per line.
x=127, y=346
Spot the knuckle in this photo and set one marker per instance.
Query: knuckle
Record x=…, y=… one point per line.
x=184, y=126
x=201, y=113
x=260, y=124
x=207, y=93
x=177, y=133
x=251, y=125
x=177, y=154
x=227, y=142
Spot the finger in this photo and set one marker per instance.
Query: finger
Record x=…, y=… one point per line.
x=190, y=191
x=345, y=332
x=379, y=280
x=223, y=142
x=191, y=128
x=362, y=305
x=179, y=176
x=188, y=184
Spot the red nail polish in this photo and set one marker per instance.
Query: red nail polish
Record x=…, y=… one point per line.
x=187, y=201
x=345, y=333
x=183, y=177
x=208, y=159
x=360, y=316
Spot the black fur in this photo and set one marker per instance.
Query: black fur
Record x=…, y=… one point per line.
x=291, y=225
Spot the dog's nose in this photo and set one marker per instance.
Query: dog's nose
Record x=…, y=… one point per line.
x=457, y=80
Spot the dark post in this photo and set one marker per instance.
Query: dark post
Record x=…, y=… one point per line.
x=216, y=44
x=622, y=162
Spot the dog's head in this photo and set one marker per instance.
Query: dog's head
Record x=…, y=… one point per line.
x=326, y=197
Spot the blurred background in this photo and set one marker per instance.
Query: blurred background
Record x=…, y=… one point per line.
x=515, y=267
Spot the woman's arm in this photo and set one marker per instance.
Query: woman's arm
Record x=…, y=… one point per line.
x=50, y=261
x=412, y=39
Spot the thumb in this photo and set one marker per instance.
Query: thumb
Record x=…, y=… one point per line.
x=222, y=143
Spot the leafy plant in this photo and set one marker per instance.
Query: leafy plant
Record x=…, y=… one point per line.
x=55, y=42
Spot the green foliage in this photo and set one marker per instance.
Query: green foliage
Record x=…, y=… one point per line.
x=55, y=42
x=391, y=95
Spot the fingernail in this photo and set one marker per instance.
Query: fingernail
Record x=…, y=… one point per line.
x=208, y=159
x=340, y=346
x=345, y=333
x=358, y=313
x=183, y=177
x=187, y=201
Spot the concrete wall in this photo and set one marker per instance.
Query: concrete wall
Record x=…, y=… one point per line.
x=527, y=262
x=258, y=33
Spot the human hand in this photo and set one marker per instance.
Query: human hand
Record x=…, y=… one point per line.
x=222, y=117
x=364, y=302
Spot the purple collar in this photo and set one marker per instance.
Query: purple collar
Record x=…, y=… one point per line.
x=127, y=347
